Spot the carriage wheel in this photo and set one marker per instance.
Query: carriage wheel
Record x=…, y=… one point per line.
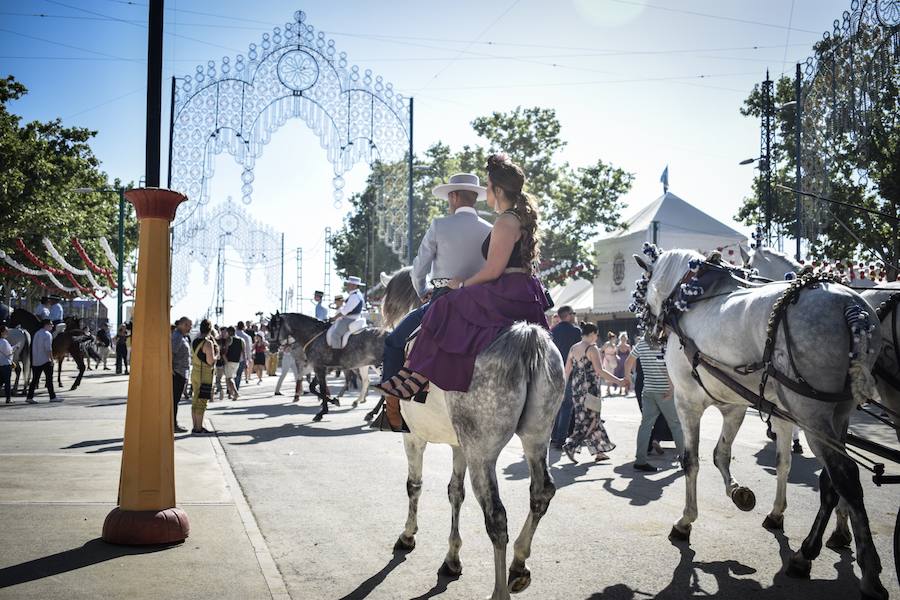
x=897, y=546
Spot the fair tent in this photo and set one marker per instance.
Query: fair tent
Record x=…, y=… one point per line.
x=673, y=223
x=577, y=293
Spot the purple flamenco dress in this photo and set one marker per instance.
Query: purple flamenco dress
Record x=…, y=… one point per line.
x=462, y=323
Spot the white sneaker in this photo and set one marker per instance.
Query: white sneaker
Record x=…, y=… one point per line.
x=57, y=399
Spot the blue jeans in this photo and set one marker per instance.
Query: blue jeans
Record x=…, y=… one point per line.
x=562, y=427
x=240, y=374
x=395, y=343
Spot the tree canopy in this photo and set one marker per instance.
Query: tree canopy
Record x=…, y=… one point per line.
x=43, y=164
x=850, y=152
x=575, y=202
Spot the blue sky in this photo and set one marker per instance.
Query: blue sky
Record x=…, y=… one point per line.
x=640, y=84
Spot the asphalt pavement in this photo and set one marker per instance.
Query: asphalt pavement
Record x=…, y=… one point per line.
x=284, y=507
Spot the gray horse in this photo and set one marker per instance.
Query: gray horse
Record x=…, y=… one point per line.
x=775, y=265
x=730, y=327
x=517, y=388
x=364, y=349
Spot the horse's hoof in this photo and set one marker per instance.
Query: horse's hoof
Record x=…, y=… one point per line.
x=743, y=498
x=774, y=523
x=405, y=545
x=355, y=404
x=317, y=418
x=839, y=540
x=448, y=570
x=879, y=593
x=335, y=401
x=798, y=567
x=519, y=580
x=368, y=418
x=677, y=535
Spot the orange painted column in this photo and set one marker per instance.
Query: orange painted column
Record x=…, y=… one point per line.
x=146, y=513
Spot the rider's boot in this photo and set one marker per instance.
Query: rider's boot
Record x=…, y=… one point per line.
x=390, y=418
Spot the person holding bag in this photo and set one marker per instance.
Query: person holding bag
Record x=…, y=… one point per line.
x=203, y=358
x=583, y=368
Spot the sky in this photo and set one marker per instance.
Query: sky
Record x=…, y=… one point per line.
x=639, y=84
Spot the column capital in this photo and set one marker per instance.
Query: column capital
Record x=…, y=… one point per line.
x=155, y=203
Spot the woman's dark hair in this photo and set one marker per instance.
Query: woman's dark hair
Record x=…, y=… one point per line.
x=510, y=178
x=587, y=329
x=2, y=328
x=205, y=327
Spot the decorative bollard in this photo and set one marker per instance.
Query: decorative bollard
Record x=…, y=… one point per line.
x=147, y=513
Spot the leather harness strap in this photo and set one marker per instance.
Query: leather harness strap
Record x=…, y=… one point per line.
x=314, y=338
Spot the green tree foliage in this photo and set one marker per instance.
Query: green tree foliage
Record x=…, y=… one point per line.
x=856, y=160
x=575, y=202
x=42, y=164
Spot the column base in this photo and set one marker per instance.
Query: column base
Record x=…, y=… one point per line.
x=146, y=527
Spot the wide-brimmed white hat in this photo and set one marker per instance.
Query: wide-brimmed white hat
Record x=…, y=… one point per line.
x=355, y=281
x=460, y=181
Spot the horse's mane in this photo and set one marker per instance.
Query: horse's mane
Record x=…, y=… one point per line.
x=306, y=320
x=400, y=297
x=667, y=272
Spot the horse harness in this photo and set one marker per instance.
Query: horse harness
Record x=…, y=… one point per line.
x=889, y=306
x=710, y=273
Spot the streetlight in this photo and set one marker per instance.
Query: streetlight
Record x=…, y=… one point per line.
x=120, y=255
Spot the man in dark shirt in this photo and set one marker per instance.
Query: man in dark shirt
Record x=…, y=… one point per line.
x=565, y=335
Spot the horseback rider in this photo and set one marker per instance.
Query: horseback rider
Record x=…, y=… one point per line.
x=56, y=310
x=459, y=325
x=42, y=310
x=351, y=316
x=450, y=249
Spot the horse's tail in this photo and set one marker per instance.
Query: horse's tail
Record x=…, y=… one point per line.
x=522, y=348
x=862, y=384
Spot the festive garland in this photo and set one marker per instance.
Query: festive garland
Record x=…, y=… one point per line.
x=20, y=244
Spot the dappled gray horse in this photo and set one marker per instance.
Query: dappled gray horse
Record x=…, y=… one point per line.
x=364, y=349
x=728, y=329
x=516, y=388
x=21, y=341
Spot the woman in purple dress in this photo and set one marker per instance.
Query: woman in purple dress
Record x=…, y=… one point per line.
x=462, y=323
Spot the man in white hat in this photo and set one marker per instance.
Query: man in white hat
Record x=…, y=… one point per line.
x=450, y=249
x=351, y=315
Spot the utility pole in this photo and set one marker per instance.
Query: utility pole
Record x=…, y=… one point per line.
x=798, y=128
x=327, y=285
x=282, y=274
x=767, y=137
x=299, y=284
x=410, y=252
x=220, y=281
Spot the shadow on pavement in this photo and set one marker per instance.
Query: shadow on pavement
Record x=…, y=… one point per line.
x=732, y=581
x=804, y=468
x=370, y=584
x=640, y=489
x=267, y=434
x=91, y=553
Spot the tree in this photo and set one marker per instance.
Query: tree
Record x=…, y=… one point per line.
x=43, y=163
x=575, y=203
x=851, y=152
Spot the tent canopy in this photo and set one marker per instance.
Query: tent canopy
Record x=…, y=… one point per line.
x=672, y=213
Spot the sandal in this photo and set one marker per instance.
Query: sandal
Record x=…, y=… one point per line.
x=393, y=384
x=411, y=387
x=600, y=457
x=570, y=451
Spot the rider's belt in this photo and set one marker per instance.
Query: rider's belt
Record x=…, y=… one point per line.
x=516, y=270
x=441, y=282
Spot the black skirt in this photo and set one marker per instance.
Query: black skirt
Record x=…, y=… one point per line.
x=259, y=358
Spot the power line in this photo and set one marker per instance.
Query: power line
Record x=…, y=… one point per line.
x=597, y=82
x=696, y=13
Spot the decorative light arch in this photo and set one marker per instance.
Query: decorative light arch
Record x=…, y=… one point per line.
x=294, y=72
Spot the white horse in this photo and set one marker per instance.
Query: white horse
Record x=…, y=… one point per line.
x=728, y=329
x=516, y=388
x=21, y=341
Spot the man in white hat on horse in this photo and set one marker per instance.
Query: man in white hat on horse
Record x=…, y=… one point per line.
x=451, y=248
x=351, y=316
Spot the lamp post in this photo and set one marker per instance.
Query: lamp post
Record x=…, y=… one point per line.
x=120, y=252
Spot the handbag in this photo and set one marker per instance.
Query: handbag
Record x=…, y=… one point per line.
x=592, y=402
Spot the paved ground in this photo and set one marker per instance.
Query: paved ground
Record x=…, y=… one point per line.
x=329, y=499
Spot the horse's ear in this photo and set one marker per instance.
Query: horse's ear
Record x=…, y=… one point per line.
x=745, y=256
x=641, y=263
x=385, y=278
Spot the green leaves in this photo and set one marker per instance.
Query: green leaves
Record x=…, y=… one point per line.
x=41, y=165
x=576, y=203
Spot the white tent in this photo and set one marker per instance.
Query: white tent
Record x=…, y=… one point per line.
x=577, y=293
x=673, y=223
